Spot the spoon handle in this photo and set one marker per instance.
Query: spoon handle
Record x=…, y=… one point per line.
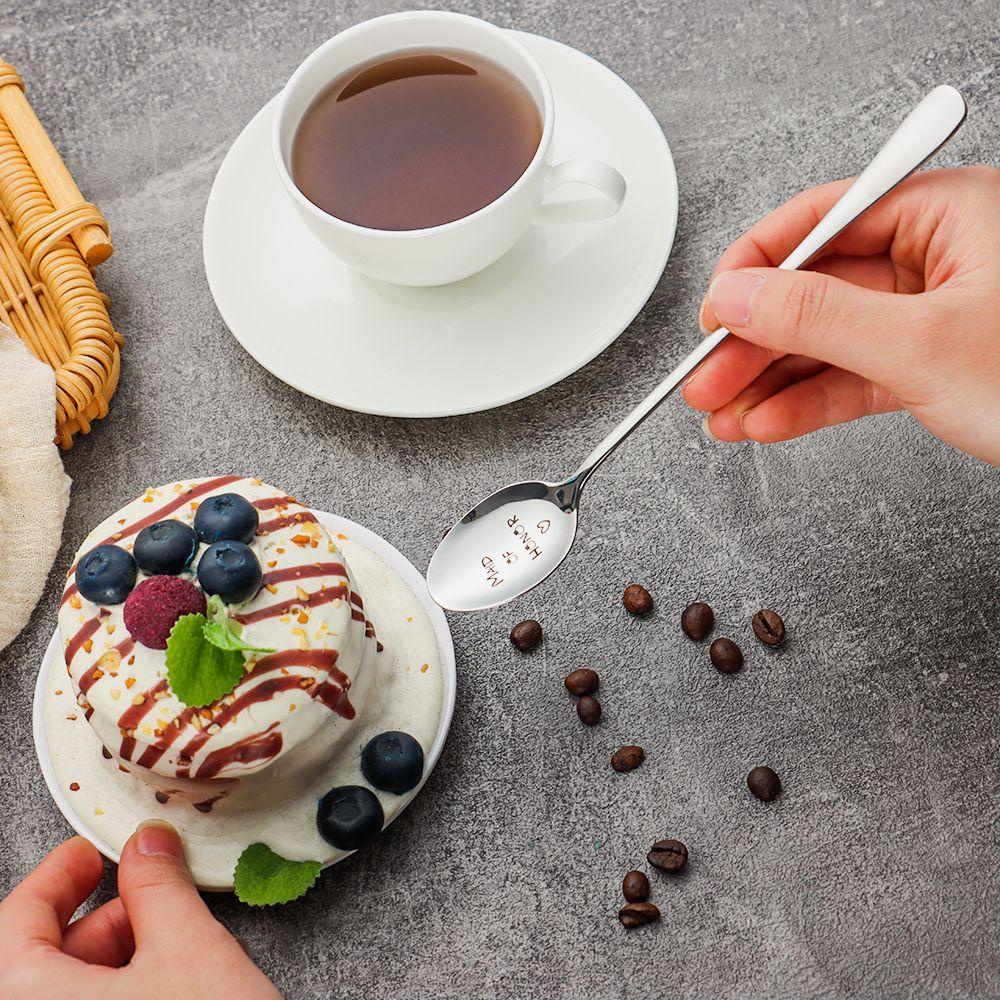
x=922, y=133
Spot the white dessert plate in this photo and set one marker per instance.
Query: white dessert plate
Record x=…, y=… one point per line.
x=211, y=848
x=545, y=309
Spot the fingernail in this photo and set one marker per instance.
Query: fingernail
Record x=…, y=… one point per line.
x=706, y=430
x=705, y=331
x=732, y=293
x=154, y=837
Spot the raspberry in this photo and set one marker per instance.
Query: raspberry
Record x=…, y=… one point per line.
x=155, y=605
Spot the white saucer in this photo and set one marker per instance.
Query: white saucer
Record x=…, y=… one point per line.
x=554, y=302
x=212, y=842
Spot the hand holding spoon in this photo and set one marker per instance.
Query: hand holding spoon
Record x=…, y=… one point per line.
x=515, y=538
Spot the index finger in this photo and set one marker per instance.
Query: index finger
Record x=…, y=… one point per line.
x=41, y=906
x=770, y=241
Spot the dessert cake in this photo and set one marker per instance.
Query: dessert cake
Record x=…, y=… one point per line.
x=218, y=645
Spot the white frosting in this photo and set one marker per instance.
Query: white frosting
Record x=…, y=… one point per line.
x=290, y=711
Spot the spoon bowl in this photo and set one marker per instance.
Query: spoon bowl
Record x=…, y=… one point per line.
x=508, y=543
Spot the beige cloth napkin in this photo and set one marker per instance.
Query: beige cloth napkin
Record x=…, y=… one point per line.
x=34, y=487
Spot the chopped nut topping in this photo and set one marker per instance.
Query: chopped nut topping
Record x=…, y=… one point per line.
x=74, y=602
x=301, y=540
x=270, y=588
x=138, y=699
x=302, y=595
x=88, y=645
x=116, y=694
x=130, y=682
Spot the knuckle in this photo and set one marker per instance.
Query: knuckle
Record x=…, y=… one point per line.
x=805, y=305
x=156, y=880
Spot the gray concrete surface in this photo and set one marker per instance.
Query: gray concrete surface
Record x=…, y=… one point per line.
x=876, y=874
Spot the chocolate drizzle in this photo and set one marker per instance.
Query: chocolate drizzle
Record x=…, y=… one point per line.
x=286, y=521
x=86, y=630
x=260, y=746
x=274, y=610
x=269, y=503
x=206, y=806
x=129, y=720
x=307, y=572
x=95, y=671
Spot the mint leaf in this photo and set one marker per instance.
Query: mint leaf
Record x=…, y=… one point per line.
x=224, y=632
x=217, y=614
x=199, y=673
x=263, y=878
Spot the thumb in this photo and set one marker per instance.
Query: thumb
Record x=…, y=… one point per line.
x=159, y=894
x=822, y=317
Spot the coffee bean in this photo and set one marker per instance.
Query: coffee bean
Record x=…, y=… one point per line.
x=726, y=656
x=627, y=758
x=582, y=681
x=764, y=783
x=637, y=914
x=589, y=710
x=768, y=627
x=668, y=855
x=637, y=600
x=526, y=635
x=635, y=887
x=697, y=620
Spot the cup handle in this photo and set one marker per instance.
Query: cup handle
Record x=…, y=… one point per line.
x=594, y=174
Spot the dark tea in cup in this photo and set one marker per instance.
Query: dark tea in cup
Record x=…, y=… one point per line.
x=415, y=139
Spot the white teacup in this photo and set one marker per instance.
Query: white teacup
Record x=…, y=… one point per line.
x=446, y=253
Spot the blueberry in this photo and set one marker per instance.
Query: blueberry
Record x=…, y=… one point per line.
x=165, y=548
x=349, y=817
x=393, y=762
x=226, y=517
x=106, y=575
x=231, y=570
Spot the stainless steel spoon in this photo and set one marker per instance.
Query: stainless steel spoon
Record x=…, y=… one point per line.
x=515, y=538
